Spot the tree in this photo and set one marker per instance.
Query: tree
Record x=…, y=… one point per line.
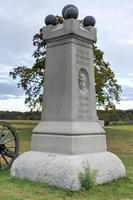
x=31, y=79
x=107, y=89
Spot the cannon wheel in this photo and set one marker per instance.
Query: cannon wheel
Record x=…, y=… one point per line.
x=9, y=145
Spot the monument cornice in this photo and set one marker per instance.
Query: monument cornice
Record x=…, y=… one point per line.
x=71, y=28
x=69, y=38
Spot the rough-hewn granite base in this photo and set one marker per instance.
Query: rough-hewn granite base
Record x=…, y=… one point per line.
x=63, y=170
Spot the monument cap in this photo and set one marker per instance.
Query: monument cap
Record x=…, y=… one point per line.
x=89, y=21
x=50, y=20
x=70, y=11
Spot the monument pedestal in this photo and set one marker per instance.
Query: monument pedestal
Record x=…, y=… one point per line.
x=69, y=135
x=58, y=157
x=63, y=170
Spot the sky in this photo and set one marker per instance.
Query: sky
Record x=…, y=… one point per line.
x=20, y=20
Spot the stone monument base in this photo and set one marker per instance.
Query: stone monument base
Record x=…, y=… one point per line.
x=63, y=170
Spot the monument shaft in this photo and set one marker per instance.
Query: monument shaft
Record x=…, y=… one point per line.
x=67, y=54
x=69, y=122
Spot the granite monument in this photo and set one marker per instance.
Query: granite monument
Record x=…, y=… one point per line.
x=69, y=133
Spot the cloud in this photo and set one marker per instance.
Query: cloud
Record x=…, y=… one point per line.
x=13, y=105
x=125, y=42
x=127, y=93
x=125, y=79
x=9, y=90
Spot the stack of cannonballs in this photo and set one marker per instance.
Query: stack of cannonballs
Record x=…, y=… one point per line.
x=70, y=11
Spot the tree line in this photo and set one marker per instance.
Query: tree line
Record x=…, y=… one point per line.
x=15, y=115
x=107, y=116
x=115, y=116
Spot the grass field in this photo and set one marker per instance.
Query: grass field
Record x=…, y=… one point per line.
x=119, y=141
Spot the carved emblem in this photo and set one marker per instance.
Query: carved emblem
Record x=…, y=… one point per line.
x=83, y=81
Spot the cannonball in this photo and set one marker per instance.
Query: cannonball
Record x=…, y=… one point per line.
x=50, y=20
x=70, y=11
x=89, y=21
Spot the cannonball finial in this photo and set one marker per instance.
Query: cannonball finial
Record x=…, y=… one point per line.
x=89, y=21
x=70, y=11
x=50, y=20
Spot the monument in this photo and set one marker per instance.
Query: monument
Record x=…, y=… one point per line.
x=69, y=133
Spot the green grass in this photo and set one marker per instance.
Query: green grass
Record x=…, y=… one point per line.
x=120, y=142
x=123, y=127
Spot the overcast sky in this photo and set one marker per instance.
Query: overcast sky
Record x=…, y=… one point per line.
x=20, y=20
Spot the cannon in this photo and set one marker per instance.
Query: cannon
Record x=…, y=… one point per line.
x=9, y=145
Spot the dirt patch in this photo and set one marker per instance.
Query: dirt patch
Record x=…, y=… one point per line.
x=120, y=147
